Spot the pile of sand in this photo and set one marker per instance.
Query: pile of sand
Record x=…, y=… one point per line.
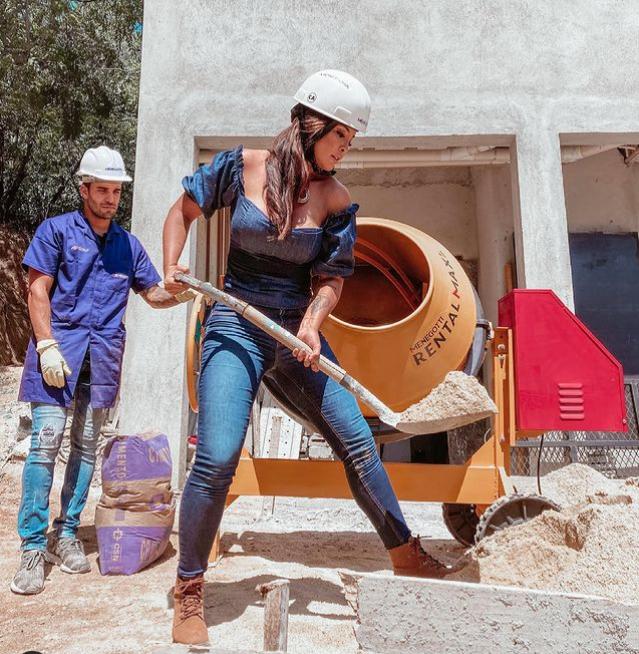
x=458, y=400
x=587, y=548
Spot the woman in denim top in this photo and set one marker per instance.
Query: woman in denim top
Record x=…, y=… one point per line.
x=291, y=221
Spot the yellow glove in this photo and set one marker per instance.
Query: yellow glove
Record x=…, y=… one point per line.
x=187, y=295
x=54, y=367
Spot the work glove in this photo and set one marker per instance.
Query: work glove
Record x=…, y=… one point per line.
x=187, y=295
x=52, y=363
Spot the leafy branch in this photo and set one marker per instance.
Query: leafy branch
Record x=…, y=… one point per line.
x=69, y=76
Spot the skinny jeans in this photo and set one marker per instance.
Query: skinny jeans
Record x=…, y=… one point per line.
x=236, y=355
x=48, y=423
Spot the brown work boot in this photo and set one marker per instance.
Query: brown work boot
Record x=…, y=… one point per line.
x=189, y=627
x=410, y=560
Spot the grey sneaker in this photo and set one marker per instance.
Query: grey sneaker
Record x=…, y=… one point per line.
x=70, y=551
x=29, y=580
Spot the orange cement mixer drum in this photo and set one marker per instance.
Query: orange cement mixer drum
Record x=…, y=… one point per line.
x=407, y=315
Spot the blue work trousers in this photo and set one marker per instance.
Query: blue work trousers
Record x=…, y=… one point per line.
x=236, y=355
x=48, y=423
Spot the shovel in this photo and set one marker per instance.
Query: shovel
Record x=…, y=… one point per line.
x=409, y=421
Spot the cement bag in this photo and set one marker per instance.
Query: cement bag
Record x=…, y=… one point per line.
x=135, y=514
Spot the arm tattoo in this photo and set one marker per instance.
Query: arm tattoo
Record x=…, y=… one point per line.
x=318, y=304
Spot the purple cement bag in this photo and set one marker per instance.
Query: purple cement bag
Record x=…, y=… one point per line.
x=135, y=514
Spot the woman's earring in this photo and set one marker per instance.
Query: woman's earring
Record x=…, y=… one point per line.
x=305, y=197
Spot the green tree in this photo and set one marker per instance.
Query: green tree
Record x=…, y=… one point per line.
x=69, y=74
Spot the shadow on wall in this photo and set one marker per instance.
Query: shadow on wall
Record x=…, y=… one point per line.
x=14, y=317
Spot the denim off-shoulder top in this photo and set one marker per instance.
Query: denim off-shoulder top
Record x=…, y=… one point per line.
x=262, y=270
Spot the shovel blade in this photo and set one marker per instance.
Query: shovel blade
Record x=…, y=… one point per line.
x=442, y=424
x=459, y=400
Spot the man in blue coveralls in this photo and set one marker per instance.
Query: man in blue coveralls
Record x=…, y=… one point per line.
x=81, y=267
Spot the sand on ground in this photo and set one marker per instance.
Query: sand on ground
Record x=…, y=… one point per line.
x=305, y=541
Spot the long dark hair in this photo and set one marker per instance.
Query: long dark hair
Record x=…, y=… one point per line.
x=287, y=175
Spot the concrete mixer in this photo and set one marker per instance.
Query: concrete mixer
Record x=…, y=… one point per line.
x=407, y=317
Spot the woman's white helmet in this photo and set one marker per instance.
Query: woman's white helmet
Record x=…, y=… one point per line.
x=337, y=95
x=102, y=164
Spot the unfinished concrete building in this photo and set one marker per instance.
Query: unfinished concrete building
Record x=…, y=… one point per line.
x=494, y=129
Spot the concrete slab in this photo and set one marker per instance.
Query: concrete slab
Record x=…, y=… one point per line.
x=400, y=614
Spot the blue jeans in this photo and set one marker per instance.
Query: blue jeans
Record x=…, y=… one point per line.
x=236, y=355
x=48, y=422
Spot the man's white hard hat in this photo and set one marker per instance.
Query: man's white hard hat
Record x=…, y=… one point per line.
x=337, y=95
x=102, y=164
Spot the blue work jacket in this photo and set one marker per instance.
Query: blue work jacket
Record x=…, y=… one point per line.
x=91, y=284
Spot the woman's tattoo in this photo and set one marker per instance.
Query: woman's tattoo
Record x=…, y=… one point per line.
x=318, y=304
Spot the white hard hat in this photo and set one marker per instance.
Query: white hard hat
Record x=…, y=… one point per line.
x=337, y=95
x=102, y=164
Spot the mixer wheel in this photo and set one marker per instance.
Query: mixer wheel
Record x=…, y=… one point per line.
x=512, y=510
x=462, y=521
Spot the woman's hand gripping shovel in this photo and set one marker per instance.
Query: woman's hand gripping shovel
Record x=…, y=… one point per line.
x=460, y=399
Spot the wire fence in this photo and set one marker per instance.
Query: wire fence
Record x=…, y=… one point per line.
x=614, y=454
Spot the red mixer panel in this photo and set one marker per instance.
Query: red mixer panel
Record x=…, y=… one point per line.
x=565, y=379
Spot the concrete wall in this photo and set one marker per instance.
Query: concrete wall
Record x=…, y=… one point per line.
x=470, y=209
x=602, y=194
x=495, y=233
x=439, y=201
x=440, y=73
